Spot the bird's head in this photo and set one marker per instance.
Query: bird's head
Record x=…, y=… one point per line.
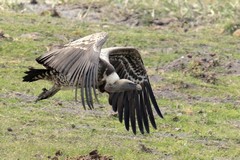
x=122, y=85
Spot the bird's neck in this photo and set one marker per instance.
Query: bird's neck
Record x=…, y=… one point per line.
x=111, y=78
x=108, y=72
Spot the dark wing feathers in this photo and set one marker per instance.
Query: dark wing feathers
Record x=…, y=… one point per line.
x=139, y=113
x=120, y=108
x=132, y=110
x=126, y=111
x=144, y=113
x=149, y=108
x=153, y=100
x=114, y=101
x=133, y=105
x=79, y=61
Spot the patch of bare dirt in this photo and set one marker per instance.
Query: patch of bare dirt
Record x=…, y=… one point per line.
x=99, y=12
x=59, y=105
x=93, y=155
x=145, y=149
x=221, y=144
x=33, y=36
x=173, y=91
x=235, y=123
x=205, y=66
x=25, y=97
x=174, y=94
x=95, y=12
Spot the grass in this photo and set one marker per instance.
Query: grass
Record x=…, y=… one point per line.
x=201, y=121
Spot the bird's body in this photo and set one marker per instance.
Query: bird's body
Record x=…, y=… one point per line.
x=119, y=71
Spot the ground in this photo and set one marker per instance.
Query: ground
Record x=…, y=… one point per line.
x=190, y=51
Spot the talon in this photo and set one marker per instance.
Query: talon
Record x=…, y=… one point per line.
x=42, y=95
x=36, y=100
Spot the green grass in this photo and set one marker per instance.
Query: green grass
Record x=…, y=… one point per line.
x=201, y=121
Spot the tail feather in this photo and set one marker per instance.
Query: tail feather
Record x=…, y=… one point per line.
x=35, y=74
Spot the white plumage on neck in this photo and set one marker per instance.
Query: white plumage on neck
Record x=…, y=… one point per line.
x=112, y=78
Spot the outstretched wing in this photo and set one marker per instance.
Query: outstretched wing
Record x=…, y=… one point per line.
x=133, y=106
x=79, y=61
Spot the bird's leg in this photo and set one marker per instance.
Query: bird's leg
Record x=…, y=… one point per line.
x=101, y=85
x=48, y=93
x=101, y=88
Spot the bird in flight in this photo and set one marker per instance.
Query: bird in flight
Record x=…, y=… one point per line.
x=118, y=71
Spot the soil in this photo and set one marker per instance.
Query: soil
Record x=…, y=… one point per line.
x=99, y=12
x=96, y=12
x=205, y=62
x=205, y=66
x=93, y=155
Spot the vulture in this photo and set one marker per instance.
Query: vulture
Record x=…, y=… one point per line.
x=118, y=71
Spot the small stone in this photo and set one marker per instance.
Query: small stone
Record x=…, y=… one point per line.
x=212, y=54
x=34, y=36
x=73, y=126
x=55, y=13
x=58, y=153
x=33, y=2
x=236, y=33
x=200, y=112
x=55, y=158
x=9, y=129
x=175, y=119
x=178, y=129
x=145, y=149
x=189, y=56
x=94, y=152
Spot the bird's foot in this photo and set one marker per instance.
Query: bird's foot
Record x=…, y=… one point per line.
x=43, y=95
